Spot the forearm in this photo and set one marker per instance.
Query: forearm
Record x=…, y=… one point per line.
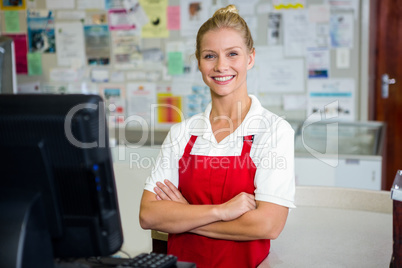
x=174, y=217
x=253, y=225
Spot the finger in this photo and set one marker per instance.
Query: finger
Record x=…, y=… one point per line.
x=167, y=191
x=161, y=194
x=173, y=188
x=158, y=197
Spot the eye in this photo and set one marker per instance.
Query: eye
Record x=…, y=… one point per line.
x=231, y=54
x=208, y=56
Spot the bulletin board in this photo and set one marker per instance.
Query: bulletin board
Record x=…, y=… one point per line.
x=309, y=54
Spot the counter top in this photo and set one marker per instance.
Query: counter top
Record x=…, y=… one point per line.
x=317, y=236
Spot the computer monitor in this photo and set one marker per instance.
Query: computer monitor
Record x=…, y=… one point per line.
x=58, y=196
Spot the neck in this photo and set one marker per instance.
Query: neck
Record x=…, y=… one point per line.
x=230, y=107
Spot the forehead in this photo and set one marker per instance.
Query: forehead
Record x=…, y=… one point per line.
x=221, y=39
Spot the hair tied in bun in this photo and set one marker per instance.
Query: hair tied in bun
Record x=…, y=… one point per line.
x=228, y=9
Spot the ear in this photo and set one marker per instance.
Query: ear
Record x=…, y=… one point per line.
x=251, y=60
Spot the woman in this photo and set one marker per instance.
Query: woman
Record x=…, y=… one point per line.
x=223, y=182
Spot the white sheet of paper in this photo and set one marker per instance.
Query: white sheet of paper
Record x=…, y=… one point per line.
x=90, y=4
x=99, y=75
x=60, y=4
x=343, y=58
x=71, y=15
x=295, y=28
x=32, y=87
x=193, y=13
x=350, y=5
x=140, y=98
x=264, y=8
x=117, y=76
x=331, y=98
x=318, y=34
x=69, y=42
x=282, y=76
x=245, y=7
x=318, y=13
x=65, y=75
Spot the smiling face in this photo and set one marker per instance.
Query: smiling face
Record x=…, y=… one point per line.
x=224, y=61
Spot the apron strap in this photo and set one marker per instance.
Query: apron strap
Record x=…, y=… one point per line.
x=247, y=142
x=189, y=145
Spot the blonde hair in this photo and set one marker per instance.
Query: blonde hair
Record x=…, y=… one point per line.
x=226, y=17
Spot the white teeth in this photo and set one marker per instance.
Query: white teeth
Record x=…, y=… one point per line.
x=222, y=79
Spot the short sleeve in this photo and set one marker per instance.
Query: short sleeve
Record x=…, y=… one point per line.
x=166, y=164
x=275, y=178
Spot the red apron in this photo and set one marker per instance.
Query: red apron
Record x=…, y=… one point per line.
x=215, y=180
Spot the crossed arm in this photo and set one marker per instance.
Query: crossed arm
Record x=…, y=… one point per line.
x=241, y=218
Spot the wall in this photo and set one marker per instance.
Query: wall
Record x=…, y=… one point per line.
x=358, y=69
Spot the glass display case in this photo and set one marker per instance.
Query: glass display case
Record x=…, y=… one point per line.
x=343, y=154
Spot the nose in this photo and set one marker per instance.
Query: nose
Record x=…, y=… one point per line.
x=221, y=64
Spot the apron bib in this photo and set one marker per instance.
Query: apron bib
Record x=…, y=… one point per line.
x=205, y=180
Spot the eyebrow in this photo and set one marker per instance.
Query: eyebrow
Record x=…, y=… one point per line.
x=210, y=50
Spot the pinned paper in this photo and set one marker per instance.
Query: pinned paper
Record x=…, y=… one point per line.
x=21, y=50
x=100, y=75
x=34, y=63
x=288, y=4
x=319, y=13
x=342, y=58
x=32, y=87
x=12, y=21
x=12, y=5
x=173, y=17
x=175, y=63
x=169, y=108
x=157, y=14
x=60, y=4
x=69, y=42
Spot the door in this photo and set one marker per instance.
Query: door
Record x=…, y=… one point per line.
x=386, y=58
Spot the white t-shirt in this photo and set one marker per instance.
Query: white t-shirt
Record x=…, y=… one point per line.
x=272, y=151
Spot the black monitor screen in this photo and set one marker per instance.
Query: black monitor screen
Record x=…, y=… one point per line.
x=56, y=147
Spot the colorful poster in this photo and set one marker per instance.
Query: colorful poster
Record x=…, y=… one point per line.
x=169, y=108
x=41, y=35
x=157, y=14
x=119, y=20
x=21, y=50
x=318, y=62
x=12, y=4
x=97, y=47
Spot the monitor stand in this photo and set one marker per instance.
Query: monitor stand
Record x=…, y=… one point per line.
x=25, y=239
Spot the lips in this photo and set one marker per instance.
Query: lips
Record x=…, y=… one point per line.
x=223, y=78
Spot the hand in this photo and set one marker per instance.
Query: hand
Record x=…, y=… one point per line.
x=168, y=191
x=237, y=206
